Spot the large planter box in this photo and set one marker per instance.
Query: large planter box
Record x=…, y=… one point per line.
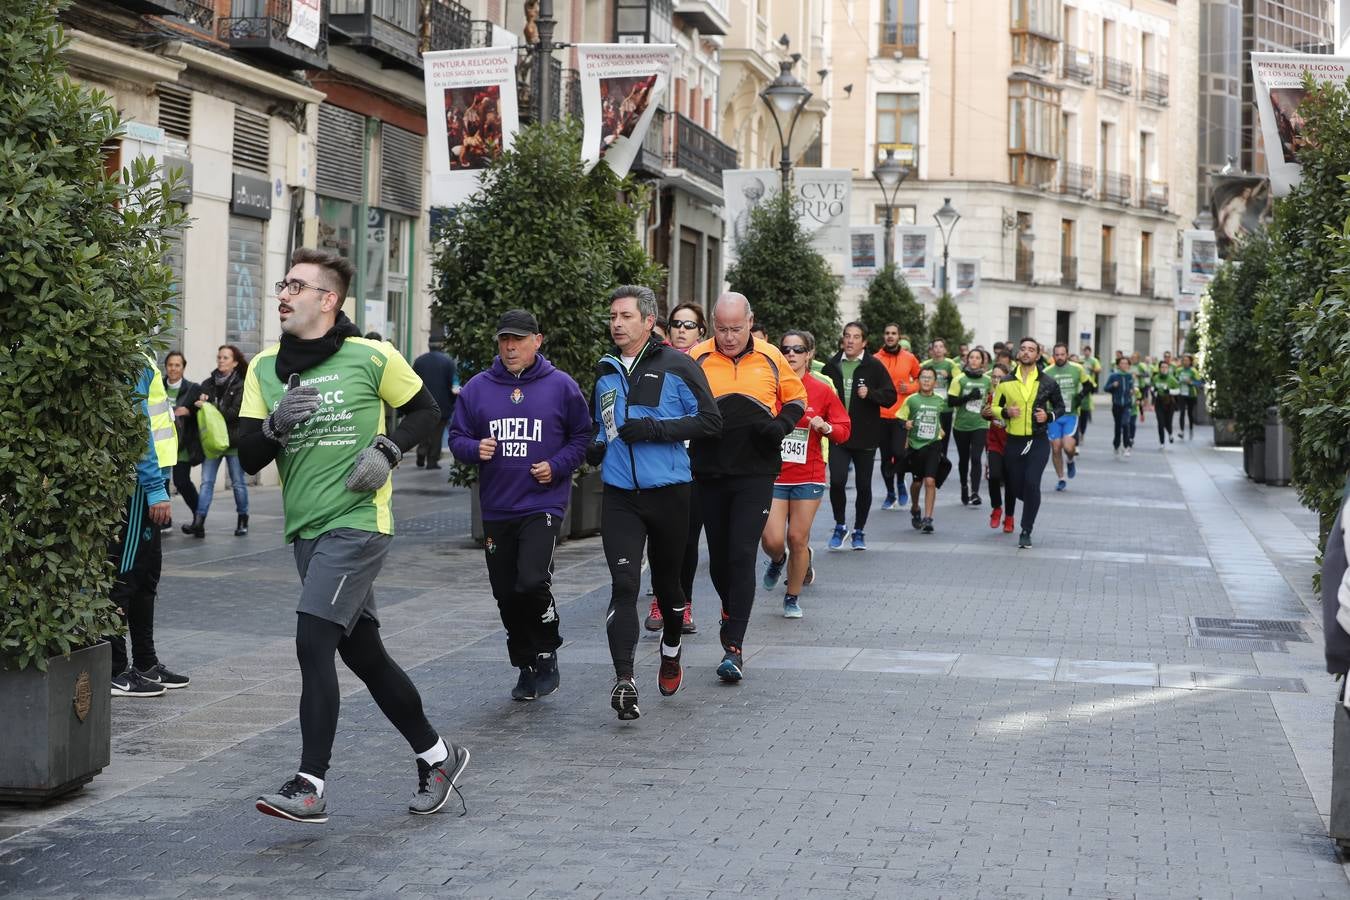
x=1340, y=777
x=587, y=496
x=57, y=725
x=1225, y=433
x=1254, y=460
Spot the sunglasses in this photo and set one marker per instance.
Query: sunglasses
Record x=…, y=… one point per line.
x=795, y=348
x=684, y=326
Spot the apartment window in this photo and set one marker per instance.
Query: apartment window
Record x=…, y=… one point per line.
x=643, y=21
x=1035, y=32
x=1143, y=336
x=1034, y=131
x=904, y=215
x=1063, y=322
x=1019, y=322
x=899, y=27
x=1146, y=264
x=897, y=120
x=1068, y=253
x=1108, y=259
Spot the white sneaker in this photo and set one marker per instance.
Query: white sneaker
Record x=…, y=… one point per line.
x=1127, y=452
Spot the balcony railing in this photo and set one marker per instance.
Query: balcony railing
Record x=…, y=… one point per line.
x=265, y=37
x=1077, y=181
x=150, y=7
x=651, y=160
x=198, y=14
x=451, y=26
x=1078, y=65
x=385, y=28
x=1108, y=277
x=571, y=88
x=699, y=152
x=1025, y=265
x=1117, y=75
x=1146, y=282
x=1153, y=195
x=898, y=39
x=480, y=33
x=1116, y=188
x=1154, y=89
x=1068, y=271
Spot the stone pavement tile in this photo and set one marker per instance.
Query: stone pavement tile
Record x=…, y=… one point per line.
x=974, y=665
x=1100, y=671
x=903, y=662
x=805, y=657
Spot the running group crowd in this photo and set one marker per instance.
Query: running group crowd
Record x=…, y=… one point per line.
x=697, y=425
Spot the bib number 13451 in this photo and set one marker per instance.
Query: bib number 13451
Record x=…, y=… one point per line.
x=795, y=444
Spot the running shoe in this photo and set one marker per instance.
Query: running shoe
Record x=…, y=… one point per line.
x=791, y=608
x=837, y=539
x=774, y=571
x=526, y=688
x=1073, y=468
x=687, y=625
x=1008, y=524
x=671, y=675
x=1061, y=485
x=859, y=543
x=653, y=622
x=624, y=699
x=995, y=517
x=434, y=783
x=297, y=801
x=1024, y=541
x=157, y=674
x=901, y=497
x=731, y=666
x=1127, y=452
x=927, y=526
x=889, y=503
x=965, y=495
x=916, y=519
x=547, y=678
x=975, y=500
x=131, y=684
x=810, y=567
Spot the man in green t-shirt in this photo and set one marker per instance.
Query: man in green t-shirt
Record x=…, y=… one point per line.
x=1073, y=383
x=922, y=414
x=1188, y=379
x=315, y=404
x=944, y=370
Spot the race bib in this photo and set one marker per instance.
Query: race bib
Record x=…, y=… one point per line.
x=975, y=406
x=607, y=400
x=795, y=444
x=927, y=429
x=1175, y=390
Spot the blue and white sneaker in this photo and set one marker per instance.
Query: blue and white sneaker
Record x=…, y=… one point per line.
x=837, y=539
x=1061, y=485
x=730, y=668
x=902, y=498
x=858, y=542
x=889, y=503
x=1073, y=468
x=791, y=609
x=773, y=572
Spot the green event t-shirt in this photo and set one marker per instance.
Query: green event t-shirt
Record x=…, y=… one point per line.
x=1188, y=378
x=354, y=385
x=926, y=412
x=945, y=370
x=1166, y=384
x=848, y=367
x=968, y=416
x=1070, y=378
x=1143, y=374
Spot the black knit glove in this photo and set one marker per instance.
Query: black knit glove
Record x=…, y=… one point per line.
x=644, y=429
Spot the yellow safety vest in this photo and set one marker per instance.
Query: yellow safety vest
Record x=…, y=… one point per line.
x=162, y=430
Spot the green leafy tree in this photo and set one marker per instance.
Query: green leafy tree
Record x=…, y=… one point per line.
x=788, y=283
x=82, y=288
x=540, y=235
x=1229, y=336
x=889, y=299
x=946, y=324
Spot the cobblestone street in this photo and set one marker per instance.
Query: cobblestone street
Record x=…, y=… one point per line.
x=952, y=718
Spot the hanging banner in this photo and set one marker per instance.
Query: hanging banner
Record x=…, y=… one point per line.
x=1278, y=82
x=1241, y=205
x=965, y=277
x=914, y=254
x=821, y=199
x=867, y=253
x=304, y=25
x=621, y=88
x=471, y=116
x=1200, y=260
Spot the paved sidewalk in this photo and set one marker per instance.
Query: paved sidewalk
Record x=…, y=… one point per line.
x=952, y=718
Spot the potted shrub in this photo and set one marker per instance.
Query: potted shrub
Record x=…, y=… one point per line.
x=82, y=287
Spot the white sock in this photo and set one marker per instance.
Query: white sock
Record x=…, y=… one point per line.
x=667, y=650
x=437, y=754
x=317, y=782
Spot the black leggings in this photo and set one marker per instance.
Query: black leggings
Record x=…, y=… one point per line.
x=689, y=566
x=970, y=459
x=945, y=419
x=316, y=643
x=657, y=518
x=1084, y=420
x=997, y=498
x=182, y=479
x=863, y=461
x=1187, y=409
x=892, y=454
x=1024, y=473
x=1162, y=414
x=734, y=512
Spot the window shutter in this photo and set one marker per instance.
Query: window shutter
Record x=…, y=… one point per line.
x=244, y=285
x=400, y=170
x=339, y=171
x=175, y=111
x=252, y=141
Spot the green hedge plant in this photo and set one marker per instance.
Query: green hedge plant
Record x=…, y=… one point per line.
x=82, y=287
x=889, y=299
x=1230, y=336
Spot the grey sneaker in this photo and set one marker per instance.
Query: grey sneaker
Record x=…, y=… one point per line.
x=297, y=801
x=434, y=783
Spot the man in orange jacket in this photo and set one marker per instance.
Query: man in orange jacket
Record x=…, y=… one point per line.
x=903, y=367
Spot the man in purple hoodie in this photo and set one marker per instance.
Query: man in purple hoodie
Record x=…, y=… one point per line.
x=527, y=425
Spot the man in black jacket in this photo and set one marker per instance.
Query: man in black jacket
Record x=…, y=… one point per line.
x=866, y=388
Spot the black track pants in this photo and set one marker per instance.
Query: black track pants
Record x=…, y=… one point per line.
x=863, y=462
x=519, y=554
x=657, y=519
x=892, y=453
x=134, y=591
x=734, y=512
x=182, y=479
x=970, y=458
x=1024, y=473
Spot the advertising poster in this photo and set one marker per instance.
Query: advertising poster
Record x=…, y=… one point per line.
x=867, y=253
x=471, y=117
x=821, y=200
x=1241, y=205
x=304, y=25
x=621, y=89
x=965, y=277
x=1278, y=82
x=1199, y=260
x=914, y=246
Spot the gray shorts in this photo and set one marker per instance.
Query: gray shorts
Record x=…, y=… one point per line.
x=337, y=574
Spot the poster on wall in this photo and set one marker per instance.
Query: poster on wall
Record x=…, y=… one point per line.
x=1241, y=205
x=821, y=199
x=1278, y=82
x=965, y=277
x=914, y=246
x=867, y=253
x=1200, y=260
x=621, y=89
x=471, y=116
x=304, y=25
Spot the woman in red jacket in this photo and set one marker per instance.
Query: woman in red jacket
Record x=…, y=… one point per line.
x=801, y=482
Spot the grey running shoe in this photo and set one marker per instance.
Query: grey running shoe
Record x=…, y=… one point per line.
x=546, y=675
x=297, y=801
x=434, y=783
x=157, y=674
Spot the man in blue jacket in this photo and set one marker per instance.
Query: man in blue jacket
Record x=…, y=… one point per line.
x=526, y=425
x=649, y=399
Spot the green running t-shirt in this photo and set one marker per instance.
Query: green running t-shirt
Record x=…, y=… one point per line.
x=926, y=412
x=1070, y=378
x=945, y=370
x=1189, y=379
x=968, y=416
x=354, y=384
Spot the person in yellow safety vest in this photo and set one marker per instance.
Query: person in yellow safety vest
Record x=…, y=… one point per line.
x=136, y=553
x=1028, y=401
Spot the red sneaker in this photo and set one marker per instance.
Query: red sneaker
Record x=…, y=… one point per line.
x=671, y=675
x=687, y=626
x=654, y=617
x=1008, y=524
x=995, y=516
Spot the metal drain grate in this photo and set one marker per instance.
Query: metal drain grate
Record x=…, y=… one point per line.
x=1238, y=645
x=1249, y=629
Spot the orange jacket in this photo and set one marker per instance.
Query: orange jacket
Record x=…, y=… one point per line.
x=903, y=367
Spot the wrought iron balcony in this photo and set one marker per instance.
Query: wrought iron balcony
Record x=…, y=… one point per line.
x=1117, y=75
x=1079, y=65
x=1077, y=181
x=384, y=28
x=651, y=159
x=1068, y=271
x=451, y=26
x=480, y=33
x=1153, y=195
x=1025, y=266
x=899, y=39
x=1155, y=88
x=1116, y=188
x=264, y=37
x=571, y=89
x=197, y=13
x=150, y=7
x=1146, y=282
x=699, y=152
x=1108, y=277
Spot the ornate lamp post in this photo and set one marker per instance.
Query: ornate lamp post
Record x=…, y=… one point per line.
x=890, y=173
x=946, y=219
x=786, y=97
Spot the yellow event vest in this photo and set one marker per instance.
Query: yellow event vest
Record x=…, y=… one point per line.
x=162, y=430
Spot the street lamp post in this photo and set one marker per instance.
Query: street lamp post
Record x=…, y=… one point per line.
x=889, y=175
x=946, y=219
x=544, y=60
x=786, y=96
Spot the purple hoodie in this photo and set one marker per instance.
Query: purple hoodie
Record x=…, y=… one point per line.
x=537, y=415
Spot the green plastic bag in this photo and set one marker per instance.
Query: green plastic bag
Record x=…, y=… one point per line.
x=215, y=433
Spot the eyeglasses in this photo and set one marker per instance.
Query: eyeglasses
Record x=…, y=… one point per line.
x=295, y=286
x=684, y=325
x=794, y=348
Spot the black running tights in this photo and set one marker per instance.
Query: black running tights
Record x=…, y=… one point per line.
x=999, y=496
x=970, y=459
x=735, y=509
x=1187, y=408
x=1024, y=473
x=317, y=642
x=863, y=461
x=892, y=454
x=1162, y=414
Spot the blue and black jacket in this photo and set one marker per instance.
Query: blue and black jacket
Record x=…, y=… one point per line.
x=1121, y=388
x=665, y=386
